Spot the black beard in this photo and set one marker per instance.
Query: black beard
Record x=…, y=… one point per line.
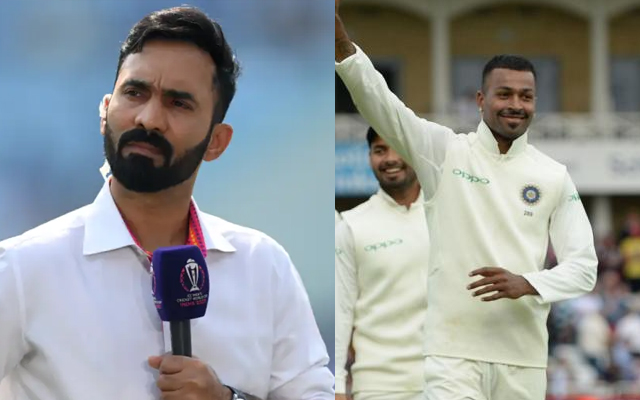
x=137, y=172
x=397, y=186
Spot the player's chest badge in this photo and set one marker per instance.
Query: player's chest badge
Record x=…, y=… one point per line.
x=531, y=195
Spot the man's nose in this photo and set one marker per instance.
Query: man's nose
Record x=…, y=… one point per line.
x=152, y=116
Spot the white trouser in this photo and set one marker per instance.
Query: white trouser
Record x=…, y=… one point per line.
x=459, y=379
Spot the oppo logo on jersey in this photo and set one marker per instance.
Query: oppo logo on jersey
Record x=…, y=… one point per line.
x=382, y=245
x=469, y=177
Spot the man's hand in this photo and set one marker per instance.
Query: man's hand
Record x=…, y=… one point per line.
x=184, y=378
x=344, y=47
x=499, y=280
x=351, y=358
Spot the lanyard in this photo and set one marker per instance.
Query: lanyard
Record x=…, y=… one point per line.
x=194, y=237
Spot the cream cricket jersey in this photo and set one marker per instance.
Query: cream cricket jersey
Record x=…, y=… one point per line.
x=381, y=267
x=484, y=209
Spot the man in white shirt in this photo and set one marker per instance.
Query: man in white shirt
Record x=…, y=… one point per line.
x=492, y=203
x=381, y=256
x=77, y=317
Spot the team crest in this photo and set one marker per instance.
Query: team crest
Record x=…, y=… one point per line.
x=531, y=194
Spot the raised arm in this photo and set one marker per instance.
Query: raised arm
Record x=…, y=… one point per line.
x=344, y=47
x=420, y=142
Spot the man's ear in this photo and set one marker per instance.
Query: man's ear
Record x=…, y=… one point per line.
x=480, y=100
x=102, y=111
x=220, y=139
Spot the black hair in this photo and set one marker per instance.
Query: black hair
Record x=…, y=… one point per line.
x=371, y=136
x=189, y=24
x=507, y=61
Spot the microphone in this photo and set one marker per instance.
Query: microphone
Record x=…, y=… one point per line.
x=180, y=286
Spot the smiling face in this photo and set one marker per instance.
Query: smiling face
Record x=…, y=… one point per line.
x=507, y=101
x=159, y=123
x=393, y=174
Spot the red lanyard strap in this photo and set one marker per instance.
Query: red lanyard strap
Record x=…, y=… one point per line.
x=194, y=237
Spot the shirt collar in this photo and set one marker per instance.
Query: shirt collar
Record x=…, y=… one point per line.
x=105, y=230
x=213, y=240
x=389, y=200
x=491, y=145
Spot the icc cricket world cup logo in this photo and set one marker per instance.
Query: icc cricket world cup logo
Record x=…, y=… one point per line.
x=192, y=272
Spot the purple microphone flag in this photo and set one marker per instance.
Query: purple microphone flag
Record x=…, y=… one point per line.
x=180, y=283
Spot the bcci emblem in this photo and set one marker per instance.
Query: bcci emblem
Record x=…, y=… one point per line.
x=531, y=194
x=195, y=277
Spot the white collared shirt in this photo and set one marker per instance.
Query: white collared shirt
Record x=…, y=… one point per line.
x=77, y=319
